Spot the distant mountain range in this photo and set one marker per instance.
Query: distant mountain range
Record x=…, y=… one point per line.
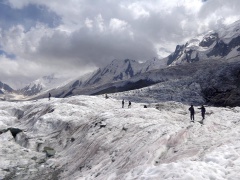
x=117, y=70
x=42, y=84
x=193, y=62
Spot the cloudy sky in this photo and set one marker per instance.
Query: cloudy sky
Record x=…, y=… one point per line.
x=73, y=37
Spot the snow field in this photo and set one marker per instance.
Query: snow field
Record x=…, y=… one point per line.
x=95, y=138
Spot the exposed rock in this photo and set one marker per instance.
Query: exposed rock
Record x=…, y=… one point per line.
x=49, y=151
x=209, y=40
x=222, y=49
x=14, y=131
x=177, y=53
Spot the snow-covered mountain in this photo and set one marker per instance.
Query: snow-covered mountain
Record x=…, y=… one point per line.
x=216, y=82
x=90, y=137
x=117, y=70
x=121, y=75
x=219, y=44
x=4, y=88
x=42, y=84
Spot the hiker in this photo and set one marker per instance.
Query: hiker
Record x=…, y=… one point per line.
x=49, y=96
x=123, y=103
x=106, y=96
x=129, y=104
x=191, y=109
x=203, y=111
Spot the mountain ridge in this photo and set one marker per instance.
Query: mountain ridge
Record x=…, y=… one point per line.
x=117, y=70
x=4, y=88
x=217, y=44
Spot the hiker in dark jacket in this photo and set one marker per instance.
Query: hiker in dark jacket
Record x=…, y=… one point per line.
x=49, y=96
x=203, y=111
x=129, y=104
x=192, y=112
x=123, y=103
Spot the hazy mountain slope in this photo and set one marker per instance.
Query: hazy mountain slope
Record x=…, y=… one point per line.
x=4, y=88
x=117, y=70
x=43, y=84
x=90, y=137
x=5, y=91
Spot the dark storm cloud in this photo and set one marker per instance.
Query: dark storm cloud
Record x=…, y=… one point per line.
x=92, y=45
x=83, y=47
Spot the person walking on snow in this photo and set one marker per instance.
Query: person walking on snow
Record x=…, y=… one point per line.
x=129, y=104
x=192, y=112
x=106, y=96
x=203, y=111
x=123, y=103
x=49, y=96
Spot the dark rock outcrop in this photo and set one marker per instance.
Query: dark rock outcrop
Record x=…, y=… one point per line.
x=49, y=151
x=14, y=131
x=226, y=92
x=177, y=53
x=223, y=49
x=209, y=40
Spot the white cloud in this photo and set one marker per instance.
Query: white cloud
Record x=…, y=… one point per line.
x=23, y=43
x=138, y=11
x=230, y=20
x=192, y=6
x=117, y=25
x=19, y=71
x=89, y=23
x=100, y=22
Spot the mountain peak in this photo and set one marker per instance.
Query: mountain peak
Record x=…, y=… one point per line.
x=42, y=84
x=222, y=43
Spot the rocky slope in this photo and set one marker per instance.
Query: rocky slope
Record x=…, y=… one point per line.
x=213, y=82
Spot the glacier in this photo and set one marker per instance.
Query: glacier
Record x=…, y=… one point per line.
x=91, y=137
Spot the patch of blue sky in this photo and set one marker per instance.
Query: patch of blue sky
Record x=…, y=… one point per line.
x=8, y=55
x=28, y=16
